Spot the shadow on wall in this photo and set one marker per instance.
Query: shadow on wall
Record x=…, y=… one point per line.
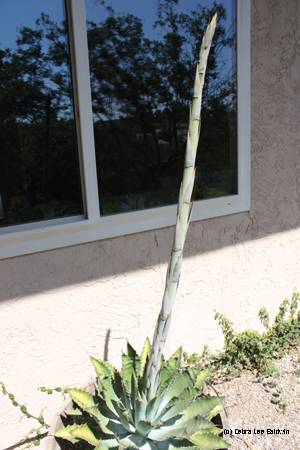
x=106, y=345
x=99, y=262
x=275, y=181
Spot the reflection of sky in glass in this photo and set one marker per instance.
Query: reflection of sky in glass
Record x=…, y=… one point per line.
x=146, y=10
x=15, y=13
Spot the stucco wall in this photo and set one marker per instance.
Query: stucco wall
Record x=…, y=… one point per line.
x=56, y=307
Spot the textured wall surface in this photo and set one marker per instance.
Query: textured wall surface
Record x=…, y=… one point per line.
x=58, y=307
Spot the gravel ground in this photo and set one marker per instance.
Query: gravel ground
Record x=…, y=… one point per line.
x=254, y=422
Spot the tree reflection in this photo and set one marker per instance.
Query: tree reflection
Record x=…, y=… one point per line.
x=39, y=171
x=141, y=89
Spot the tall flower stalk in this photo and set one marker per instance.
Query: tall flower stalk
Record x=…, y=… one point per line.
x=184, y=211
x=148, y=405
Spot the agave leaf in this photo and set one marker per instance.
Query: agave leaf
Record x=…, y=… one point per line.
x=107, y=445
x=100, y=418
x=136, y=360
x=74, y=412
x=181, y=382
x=123, y=416
x=160, y=415
x=201, y=378
x=177, y=356
x=176, y=444
x=162, y=433
x=82, y=398
x=115, y=428
x=163, y=400
x=150, y=410
x=84, y=432
x=65, y=433
x=108, y=426
x=109, y=394
x=174, y=410
x=130, y=441
x=189, y=393
x=107, y=442
x=145, y=355
x=215, y=411
x=143, y=428
x=140, y=410
x=117, y=385
x=214, y=430
x=100, y=389
x=164, y=383
x=103, y=368
x=193, y=374
x=127, y=401
x=135, y=399
x=171, y=366
x=208, y=441
x=201, y=406
x=127, y=371
x=195, y=424
x=167, y=429
x=148, y=445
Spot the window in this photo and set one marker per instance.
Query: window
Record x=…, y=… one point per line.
x=132, y=113
x=142, y=66
x=40, y=173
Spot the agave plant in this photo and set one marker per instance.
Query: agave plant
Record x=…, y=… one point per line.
x=120, y=415
x=153, y=404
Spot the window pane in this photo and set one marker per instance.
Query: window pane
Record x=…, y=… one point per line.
x=39, y=176
x=142, y=62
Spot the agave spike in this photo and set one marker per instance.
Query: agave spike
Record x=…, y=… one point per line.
x=189, y=160
x=177, y=241
x=165, y=308
x=183, y=210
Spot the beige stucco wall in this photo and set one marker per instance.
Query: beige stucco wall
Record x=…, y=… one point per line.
x=56, y=307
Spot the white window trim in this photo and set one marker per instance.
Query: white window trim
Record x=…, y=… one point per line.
x=36, y=237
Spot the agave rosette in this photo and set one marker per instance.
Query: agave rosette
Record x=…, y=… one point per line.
x=120, y=415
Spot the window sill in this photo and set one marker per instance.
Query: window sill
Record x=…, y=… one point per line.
x=49, y=237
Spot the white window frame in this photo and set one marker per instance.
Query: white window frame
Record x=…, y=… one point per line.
x=40, y=236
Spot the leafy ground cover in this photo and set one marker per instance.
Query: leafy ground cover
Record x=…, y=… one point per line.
x=250, y=350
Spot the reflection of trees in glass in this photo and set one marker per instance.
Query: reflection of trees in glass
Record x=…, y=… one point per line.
x=141, y=91
x=39, y=173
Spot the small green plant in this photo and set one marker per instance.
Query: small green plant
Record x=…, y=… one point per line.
x=250, y=349
x=28, y=441
x=264, y=316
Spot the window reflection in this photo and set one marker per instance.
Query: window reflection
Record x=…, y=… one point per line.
x=142, y=60
x=39, y=176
